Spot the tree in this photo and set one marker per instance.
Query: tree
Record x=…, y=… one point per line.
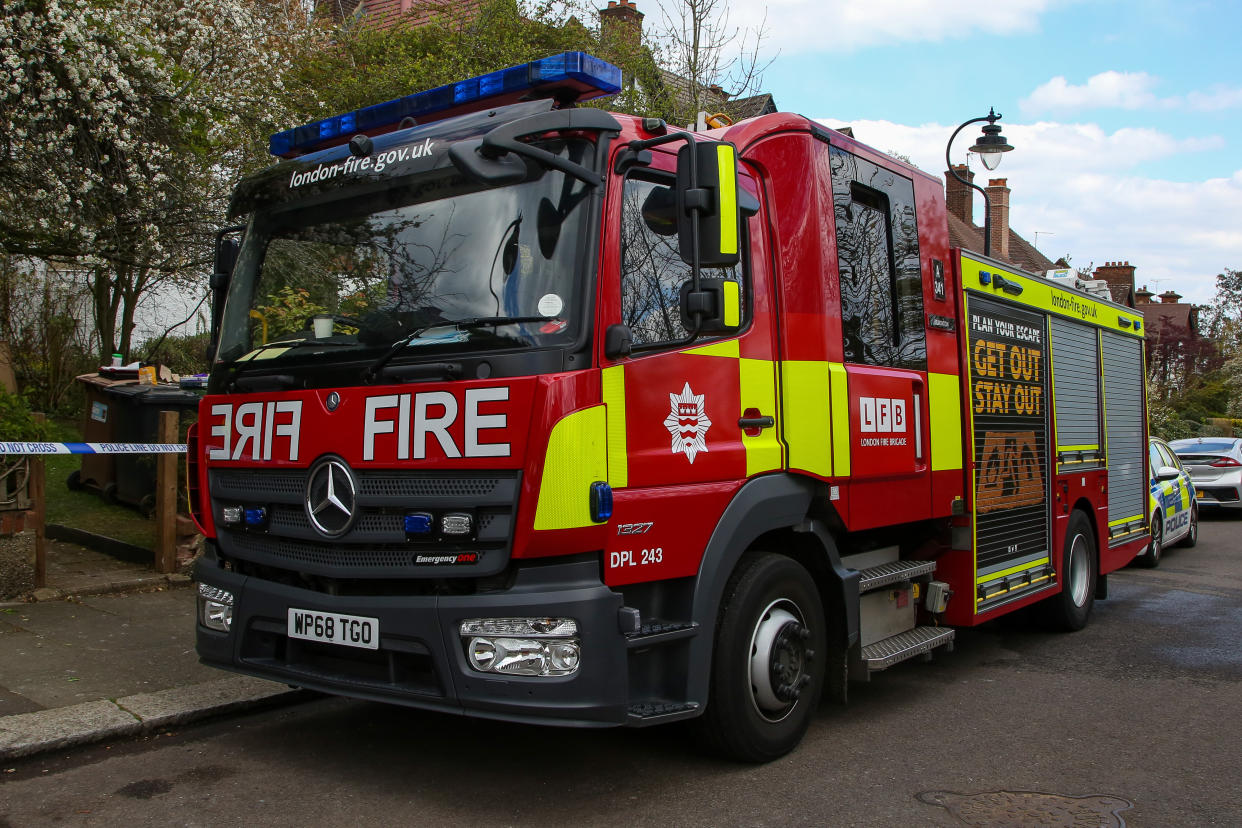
x=711, y=60
x=130, y=121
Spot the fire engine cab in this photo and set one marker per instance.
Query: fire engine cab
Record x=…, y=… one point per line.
x=530, y=411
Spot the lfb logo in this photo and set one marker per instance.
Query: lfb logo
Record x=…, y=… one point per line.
x=687, y=423
x=880, y=414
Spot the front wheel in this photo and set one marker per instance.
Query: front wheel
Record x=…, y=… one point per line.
x=1155, y=548
x=768, y=661
x=1070, y=609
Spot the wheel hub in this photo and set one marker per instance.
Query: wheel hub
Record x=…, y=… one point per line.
x=780, y=660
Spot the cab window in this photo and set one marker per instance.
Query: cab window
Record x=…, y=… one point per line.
x=652, y=271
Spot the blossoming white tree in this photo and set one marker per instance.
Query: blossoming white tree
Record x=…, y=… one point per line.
x=125, y=123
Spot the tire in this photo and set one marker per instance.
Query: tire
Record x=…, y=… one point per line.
x=768, y=660
x=74, y=481
x=108, y=493
x=146, y=506
x=1150, y=559
x=1070, y=609
x=1192, y=536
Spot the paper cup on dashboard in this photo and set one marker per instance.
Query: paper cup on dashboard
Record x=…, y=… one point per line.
x=322, y=326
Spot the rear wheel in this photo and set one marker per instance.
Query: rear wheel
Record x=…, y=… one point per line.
x=1151, y=558
x=768, y=662
x=1192, y=534
x=1070, y=609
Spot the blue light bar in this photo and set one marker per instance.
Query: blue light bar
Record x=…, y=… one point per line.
x=569, y=76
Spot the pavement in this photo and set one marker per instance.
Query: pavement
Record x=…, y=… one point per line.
x=106, y=651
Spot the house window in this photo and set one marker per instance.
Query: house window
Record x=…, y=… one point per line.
x=878, y=264
x=652, y=271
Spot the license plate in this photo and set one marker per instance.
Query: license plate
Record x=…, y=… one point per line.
x=334, y=628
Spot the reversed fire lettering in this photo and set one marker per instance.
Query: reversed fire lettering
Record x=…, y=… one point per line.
x=1009, y=472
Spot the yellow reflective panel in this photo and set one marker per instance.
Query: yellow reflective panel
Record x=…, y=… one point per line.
x=757, y=379
x=614, y=401
x=945, y=407
x=576, y=458
x=727, y=168
x=840, y=419
x=732, y=311
x=805, y=423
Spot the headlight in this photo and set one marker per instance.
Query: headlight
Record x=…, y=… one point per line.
x=522, y=646
x=215, y=607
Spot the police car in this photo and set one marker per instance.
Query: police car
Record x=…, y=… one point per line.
x=1174, y=514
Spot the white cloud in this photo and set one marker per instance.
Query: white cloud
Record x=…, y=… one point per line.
x=1120, y=90
x=1076, y=184
x=1219, y=98
x=846, y=25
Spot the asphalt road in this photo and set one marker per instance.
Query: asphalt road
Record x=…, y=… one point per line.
x=1138, y=714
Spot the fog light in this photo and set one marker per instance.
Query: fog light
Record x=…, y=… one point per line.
x=522, y=646
x=215, y=607
x=231, y=514
x=457, y=523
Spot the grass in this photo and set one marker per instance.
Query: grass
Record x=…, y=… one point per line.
x=85, y=509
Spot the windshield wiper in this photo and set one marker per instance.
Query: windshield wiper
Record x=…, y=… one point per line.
x=376, y=368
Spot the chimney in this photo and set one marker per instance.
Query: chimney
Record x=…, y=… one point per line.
x=1142, y=296
x=959, y=198
x=1120, y=274
x=1170, y=298
x=621, y=28
x=998, y=195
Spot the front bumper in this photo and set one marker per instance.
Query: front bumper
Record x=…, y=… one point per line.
x=421, y=659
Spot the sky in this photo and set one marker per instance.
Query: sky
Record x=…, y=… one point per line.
x=1125, y=117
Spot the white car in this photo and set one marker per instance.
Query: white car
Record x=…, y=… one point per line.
x=1215, y=466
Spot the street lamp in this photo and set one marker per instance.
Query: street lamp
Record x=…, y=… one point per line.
x=990, y=146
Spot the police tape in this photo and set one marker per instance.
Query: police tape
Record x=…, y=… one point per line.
x=91, y=448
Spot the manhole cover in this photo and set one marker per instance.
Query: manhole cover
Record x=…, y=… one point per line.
x=1011, y=809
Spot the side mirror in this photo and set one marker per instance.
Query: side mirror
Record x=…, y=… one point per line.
x=618, y=341
x=227, y=251
x=715, y=307
x=1167, y=473
x=707, y=196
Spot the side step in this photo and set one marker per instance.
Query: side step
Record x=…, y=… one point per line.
x=875, y=577
x=658, y=712
x=893, y=650
x=656, y=632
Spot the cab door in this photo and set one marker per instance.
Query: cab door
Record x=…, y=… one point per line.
x=884, y=341
x=688, y=421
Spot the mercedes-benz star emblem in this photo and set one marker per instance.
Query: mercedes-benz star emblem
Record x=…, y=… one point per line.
x=334, y=399
x=331, y=497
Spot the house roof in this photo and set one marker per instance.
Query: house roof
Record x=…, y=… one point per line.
x=1170, y=316
x=1021, y=252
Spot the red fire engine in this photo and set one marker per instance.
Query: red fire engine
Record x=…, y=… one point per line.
x=535, y=412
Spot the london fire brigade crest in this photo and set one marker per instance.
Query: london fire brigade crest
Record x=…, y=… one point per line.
x=687, y=422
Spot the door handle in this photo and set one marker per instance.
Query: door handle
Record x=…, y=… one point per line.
x=752, y=422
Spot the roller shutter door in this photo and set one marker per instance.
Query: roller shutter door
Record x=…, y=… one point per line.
x=1124, y=420
x=1076, y=380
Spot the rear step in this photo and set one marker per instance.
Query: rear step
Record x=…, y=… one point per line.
x=891, y=573
x=895, y=649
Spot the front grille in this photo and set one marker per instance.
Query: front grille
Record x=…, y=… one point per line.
x=376, y=545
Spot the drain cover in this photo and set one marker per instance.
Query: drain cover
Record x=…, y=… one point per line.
x=1011, y=809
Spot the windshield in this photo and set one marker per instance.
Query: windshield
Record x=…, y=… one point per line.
x=434, y=259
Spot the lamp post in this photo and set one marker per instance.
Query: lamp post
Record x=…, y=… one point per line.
x=990, y=146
